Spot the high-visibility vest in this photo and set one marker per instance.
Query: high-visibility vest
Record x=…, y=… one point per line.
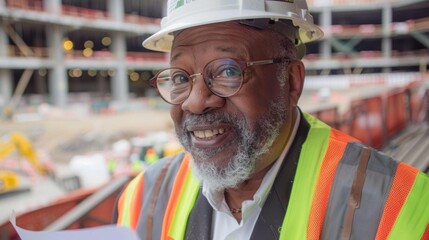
x=341, y=190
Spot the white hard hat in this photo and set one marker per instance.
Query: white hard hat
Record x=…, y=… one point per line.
x=182, y=14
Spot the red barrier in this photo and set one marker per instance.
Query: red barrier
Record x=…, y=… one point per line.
x=329, y=116
x=32, y=5
x=365, y=121
x=424, y=107
x=396, y=112
x=419, y=103
x=377, y=120
x=101, y=214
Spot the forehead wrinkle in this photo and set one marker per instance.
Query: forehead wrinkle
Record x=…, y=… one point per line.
x=180, y=49
x=219, y=37
x=241, y=52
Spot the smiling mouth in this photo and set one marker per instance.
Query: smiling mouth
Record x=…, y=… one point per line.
x=206, y=134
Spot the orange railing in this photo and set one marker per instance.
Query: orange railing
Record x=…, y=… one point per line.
x=33, y=5
x=329, y=116
x=132, y=18
x=370, y=54
x=364, y=121
x=75, y=11
x=419, y=105
x=83, y=12
x=373, y=30
x=130, y=56
x=396, y=118
x=378, y=119
x=43, y=52
x=147, y=56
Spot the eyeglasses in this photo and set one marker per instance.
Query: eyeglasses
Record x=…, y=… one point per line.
x=223, y=76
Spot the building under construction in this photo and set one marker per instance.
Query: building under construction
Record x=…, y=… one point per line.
x=52, y=50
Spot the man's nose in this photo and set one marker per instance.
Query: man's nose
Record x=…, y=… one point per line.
x=201, y=99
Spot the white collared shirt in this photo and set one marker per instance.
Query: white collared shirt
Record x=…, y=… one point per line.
x=225, y=226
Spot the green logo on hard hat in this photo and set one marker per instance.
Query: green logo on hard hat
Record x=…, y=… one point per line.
x=179, y=3
x=175, y=4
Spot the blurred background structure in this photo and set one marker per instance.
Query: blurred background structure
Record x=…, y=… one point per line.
x=54, y=50
x=74, y=81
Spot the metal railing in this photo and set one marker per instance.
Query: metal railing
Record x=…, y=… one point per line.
x=81, y=12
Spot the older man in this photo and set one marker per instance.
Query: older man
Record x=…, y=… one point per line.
x=255, y=166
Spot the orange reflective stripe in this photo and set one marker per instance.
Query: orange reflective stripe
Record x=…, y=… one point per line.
x=175, y=195
x=136, y=201
x=130, y=203
x=401, y=186
x=336, y=146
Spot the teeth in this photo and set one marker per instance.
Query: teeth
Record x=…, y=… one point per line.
x=199, y=134
x=209, y=133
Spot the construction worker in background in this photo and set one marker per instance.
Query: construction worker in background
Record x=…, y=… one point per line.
x=256, y=166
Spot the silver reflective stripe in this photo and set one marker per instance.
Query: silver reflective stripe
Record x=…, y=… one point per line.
x=151, y=176
x=379, y=176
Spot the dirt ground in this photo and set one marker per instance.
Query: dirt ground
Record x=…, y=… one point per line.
x=64, y=137
x=64, y=134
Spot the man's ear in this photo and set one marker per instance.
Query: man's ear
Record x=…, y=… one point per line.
x=296, y=81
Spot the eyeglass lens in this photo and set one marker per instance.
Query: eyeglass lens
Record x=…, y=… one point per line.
x=222, y=76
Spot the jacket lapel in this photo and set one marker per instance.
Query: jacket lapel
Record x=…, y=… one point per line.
x=268, y=225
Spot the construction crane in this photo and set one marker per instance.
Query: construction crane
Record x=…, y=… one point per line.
x=15, y=141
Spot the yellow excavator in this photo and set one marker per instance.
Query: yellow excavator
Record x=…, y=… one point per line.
x=15, y=141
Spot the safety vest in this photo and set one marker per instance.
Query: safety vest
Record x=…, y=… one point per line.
x=341, y=190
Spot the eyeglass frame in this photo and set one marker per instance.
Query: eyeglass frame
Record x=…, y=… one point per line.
x=241, y=63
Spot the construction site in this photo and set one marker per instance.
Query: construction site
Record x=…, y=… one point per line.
x=79, y=117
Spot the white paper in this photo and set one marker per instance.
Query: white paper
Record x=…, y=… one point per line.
x=107, y=232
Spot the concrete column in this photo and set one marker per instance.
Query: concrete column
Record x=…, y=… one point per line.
x=6, y=86
x=116, y=9
x=119, y=82
x=326, y=22
x=58, y=80
x=52, y=6
x=40, y=84
x=386, y=44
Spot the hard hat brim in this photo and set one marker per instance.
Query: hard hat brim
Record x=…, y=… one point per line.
x=163, y=39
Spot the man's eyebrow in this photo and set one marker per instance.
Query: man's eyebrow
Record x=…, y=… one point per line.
x=218, y=48
x=238, y=51
x=175, y=56
x=227, y=49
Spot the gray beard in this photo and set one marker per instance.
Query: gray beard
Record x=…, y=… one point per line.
x=251, y=145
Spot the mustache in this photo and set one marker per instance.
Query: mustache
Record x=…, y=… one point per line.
x=210, y=118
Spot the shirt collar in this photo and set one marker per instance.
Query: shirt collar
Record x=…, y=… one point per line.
x=215, y=198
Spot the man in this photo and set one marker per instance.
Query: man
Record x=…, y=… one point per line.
x=255, y=166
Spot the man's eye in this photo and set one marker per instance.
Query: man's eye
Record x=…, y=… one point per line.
x=179, y=78
x=228, y=71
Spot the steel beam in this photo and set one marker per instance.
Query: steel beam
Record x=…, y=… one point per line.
x=422, y=38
